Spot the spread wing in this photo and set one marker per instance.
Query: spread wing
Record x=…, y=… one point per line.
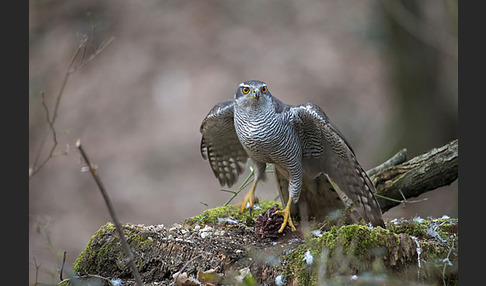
x=221, y=145
x=326, y=151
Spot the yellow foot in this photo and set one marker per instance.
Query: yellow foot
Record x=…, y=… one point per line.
x=249, y=199
x=287, y=219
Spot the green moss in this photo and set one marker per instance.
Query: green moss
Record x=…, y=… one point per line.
x=108, y=228
x=297, y=269
x=104, y=254
x=342, y=251
x=211, y=216
x=356, y=248
x=445, y=228
x=350, y=248
x=355, y=239
x=411, y=228
x=359, y=239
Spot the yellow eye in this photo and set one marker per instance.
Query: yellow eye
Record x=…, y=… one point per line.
x=264, y=89
x=245, y=90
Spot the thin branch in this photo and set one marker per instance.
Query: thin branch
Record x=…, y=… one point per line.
x=403, y=196
x=445, y=261
x=96, y=52
x=245, y=183
x=387, y=198
x=124, y=243
x=241, y=187
x=50, y=126
x=78, y=60
x=228, y=191
x=403, y=202
x=37, y=267
x=62, y=266
x=184, y=266
x=203, y=203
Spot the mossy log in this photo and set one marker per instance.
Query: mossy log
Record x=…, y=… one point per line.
x=220, y=247
x=223, y=247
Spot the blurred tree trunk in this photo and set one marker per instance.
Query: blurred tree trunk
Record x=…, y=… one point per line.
x=421, y=40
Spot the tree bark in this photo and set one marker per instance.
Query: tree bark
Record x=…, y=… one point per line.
x=434, y=169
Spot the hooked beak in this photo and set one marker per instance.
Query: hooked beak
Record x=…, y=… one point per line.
x=255, y=93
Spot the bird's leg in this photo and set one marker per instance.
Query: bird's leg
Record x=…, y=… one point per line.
x=286, y=215
x=249, y=198
x=295, y=186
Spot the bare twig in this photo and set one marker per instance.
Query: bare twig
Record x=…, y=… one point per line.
x=229, y=191
x=62, y=266
x=446, y=261
x=50, y=126
x=37, y=266
x=387, y=198
x=124, y=243
x=245, y=183
x=240, y=188
x=78, y=60
x=403, y=202
x=203, y=203
x=184, y=266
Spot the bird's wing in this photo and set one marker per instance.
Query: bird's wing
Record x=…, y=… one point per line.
x=279, y=106
x=221, y=145
x=326, y=151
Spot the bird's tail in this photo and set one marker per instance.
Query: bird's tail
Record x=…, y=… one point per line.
x=318, y=199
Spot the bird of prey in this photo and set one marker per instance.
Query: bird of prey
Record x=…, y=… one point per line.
x=316, y=169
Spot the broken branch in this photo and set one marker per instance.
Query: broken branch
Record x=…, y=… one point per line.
x=426, y=172
x=124, y=243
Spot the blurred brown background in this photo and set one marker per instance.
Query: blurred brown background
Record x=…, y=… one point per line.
x=384, y=71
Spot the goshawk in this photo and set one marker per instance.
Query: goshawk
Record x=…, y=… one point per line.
x=315, y=168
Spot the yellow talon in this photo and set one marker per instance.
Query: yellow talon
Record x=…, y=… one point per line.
x=286, y=215
x=249, y=198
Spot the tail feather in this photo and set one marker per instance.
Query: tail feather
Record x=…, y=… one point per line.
x=318, y=198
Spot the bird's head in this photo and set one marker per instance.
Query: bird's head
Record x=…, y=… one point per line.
x=252, y=91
